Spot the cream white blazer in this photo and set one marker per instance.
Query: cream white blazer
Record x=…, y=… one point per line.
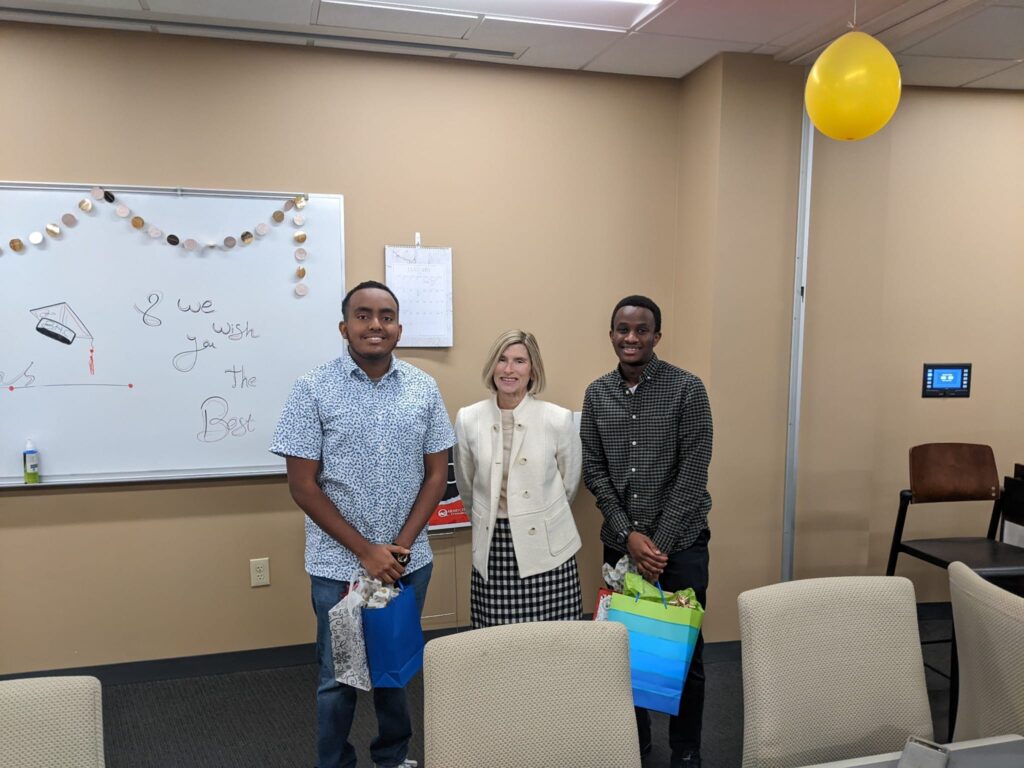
x=543, y=477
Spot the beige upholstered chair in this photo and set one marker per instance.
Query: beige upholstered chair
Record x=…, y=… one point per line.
x=989, y=626
x=832, y=669
x=537, y=695
x=51, y=721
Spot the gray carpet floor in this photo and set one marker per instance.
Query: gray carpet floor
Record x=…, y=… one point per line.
x=266, y=718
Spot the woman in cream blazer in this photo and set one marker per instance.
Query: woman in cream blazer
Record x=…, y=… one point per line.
x=517, y=464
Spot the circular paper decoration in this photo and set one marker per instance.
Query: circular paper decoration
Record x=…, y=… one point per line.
x=300, y=254
x=85, y=204
x=301, y=289
x=68, y=220
x=300, y=202
x=300, y=272
x=36, y=238
x=154, y=232
x=246, y=238
x=108, y=196
x=277, y=216
x=230, y=242
x=173, y=239
x=97, y=193
x=300, y=236
x=53, y=230
x=123, y=211
x=16, y=245
x=262, y=229
x=190, y=244
x=288, y=205
x=138, y=222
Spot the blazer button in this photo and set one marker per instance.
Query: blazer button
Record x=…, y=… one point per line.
x=522, y=461
x=532, y=531
x=526, y=494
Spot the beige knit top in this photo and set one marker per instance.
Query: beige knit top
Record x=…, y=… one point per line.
x=508, y=423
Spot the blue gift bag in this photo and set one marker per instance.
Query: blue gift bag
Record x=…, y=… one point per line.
x=394, y=641
x=662, y=638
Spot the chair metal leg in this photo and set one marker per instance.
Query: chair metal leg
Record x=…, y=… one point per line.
x=897, y=533
x=954, y=685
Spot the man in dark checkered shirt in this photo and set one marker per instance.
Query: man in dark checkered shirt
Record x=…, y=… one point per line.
x=646, y=432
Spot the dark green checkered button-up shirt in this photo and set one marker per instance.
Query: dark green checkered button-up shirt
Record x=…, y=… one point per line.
x=646, y=455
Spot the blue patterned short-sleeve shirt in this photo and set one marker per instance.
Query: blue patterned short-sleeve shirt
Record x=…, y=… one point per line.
x=370, y=439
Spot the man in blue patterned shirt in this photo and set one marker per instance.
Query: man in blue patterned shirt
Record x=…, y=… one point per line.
x=366, y=439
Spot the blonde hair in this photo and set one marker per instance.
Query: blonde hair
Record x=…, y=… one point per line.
x=503, y=342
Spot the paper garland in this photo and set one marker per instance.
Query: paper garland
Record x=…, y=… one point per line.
x=191, y=244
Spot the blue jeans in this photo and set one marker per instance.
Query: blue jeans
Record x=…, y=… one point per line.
x=336, y=703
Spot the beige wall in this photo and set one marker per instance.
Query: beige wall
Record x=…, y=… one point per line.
x=916, y=244
x=555, y=189
x=738, y=176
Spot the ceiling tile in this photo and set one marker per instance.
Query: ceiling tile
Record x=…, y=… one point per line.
x=875, y=17
x=363, y=39
x=949, y=73
x=997, y=32
x=70, y=6
x=1012, y=78
x=752, y=21
x=263, y=11
x=559, y=47
x=601, y=13
x=660, y=55
x=381, y=18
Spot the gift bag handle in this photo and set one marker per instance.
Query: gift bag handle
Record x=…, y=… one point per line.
x=664, y=602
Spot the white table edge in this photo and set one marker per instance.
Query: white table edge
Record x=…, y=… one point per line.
x=859, y=762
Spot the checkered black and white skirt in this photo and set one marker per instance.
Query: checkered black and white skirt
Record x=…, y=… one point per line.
x=507, y=599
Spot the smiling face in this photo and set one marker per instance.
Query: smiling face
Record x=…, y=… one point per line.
x=633, y=336
x=371, y=325
x=512, y=373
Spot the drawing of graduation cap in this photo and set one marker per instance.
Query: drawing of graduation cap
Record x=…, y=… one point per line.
x=60, y=323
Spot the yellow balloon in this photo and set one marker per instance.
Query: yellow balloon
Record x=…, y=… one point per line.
x=853, y=88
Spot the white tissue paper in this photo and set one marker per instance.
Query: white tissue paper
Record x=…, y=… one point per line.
x=346, y=619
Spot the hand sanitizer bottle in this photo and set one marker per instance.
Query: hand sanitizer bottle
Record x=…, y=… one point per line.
x=30, y=459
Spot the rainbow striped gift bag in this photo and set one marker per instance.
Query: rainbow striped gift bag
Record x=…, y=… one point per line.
x=663, y=633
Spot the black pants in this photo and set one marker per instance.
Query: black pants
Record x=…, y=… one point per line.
x=686, y=568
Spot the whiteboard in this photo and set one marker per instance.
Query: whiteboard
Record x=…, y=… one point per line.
x=125, y=357
x=422, y=280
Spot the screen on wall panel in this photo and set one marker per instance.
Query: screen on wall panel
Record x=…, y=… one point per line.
x=152, y=333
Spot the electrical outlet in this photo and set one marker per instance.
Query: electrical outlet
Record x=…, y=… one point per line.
x=259, y=572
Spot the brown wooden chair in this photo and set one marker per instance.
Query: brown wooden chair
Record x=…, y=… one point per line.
x=957, y=472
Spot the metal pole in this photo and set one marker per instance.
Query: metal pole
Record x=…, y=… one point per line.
x=796, y=353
